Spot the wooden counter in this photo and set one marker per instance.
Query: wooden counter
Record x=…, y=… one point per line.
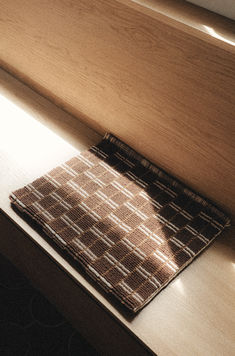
x=194, y=315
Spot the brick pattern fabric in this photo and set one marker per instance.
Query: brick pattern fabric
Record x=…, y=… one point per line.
x=129, y=224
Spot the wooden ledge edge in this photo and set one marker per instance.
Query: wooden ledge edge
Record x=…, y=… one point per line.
x=195, y=20
x=66, y=292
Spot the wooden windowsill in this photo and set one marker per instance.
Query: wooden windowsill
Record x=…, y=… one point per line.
x=193, y=315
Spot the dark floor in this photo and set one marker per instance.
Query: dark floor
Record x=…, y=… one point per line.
x=29, y=324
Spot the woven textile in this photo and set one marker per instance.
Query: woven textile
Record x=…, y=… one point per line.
x=129, y=224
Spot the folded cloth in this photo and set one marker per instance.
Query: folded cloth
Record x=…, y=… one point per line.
x=128, y=223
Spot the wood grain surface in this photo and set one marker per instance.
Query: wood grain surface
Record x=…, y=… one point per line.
x=162, y=84
x=194, y=315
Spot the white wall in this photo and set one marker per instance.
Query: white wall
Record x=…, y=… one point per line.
x=222, y=7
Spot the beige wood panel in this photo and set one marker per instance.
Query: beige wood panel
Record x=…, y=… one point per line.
x=194, y=315
x=163, y=89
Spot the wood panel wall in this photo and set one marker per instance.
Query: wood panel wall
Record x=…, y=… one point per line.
x=167, y=91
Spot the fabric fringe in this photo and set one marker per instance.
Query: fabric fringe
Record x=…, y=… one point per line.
x=167, y=177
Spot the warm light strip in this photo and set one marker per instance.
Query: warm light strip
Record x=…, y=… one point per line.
x=214, y=34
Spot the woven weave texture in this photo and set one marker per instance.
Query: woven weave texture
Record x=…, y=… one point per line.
x=131, y=226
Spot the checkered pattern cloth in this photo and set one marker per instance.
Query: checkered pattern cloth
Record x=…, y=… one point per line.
x=129, y=224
